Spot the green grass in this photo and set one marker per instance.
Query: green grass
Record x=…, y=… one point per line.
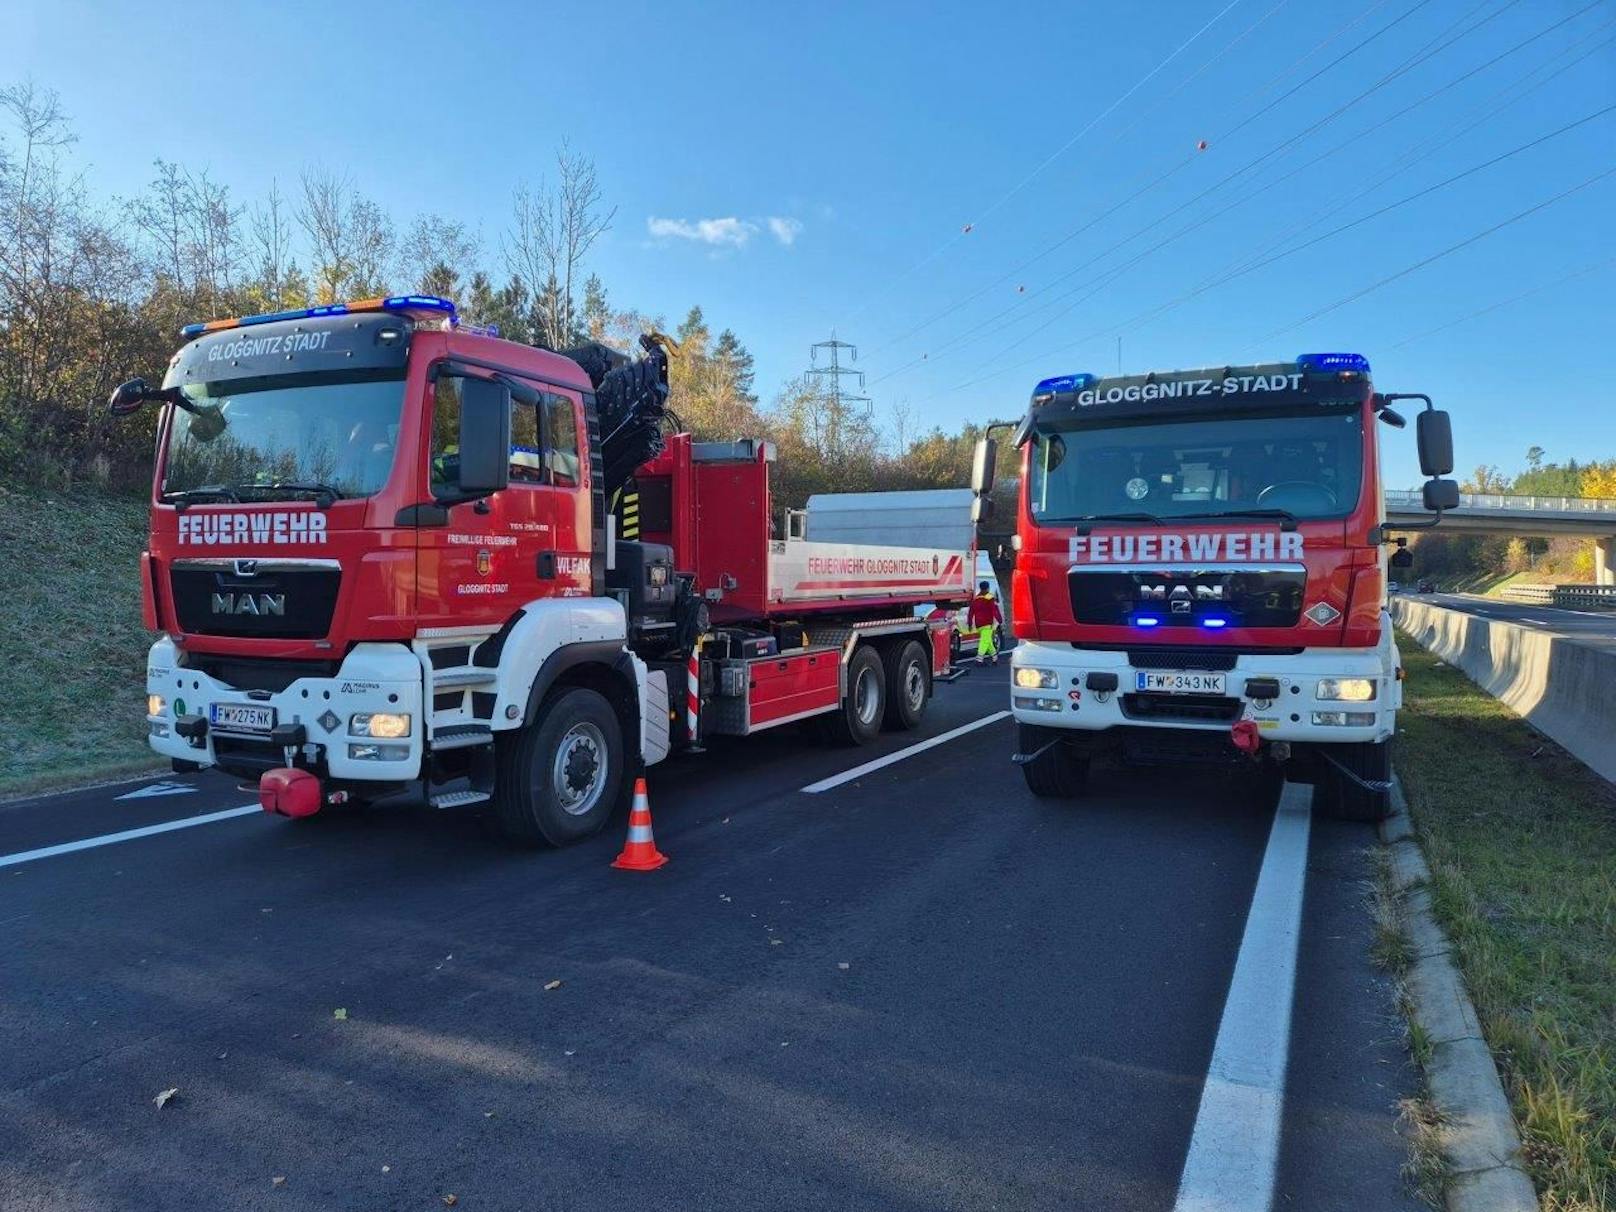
x=1491, y=584
x=72, y=651
x=1521, y=841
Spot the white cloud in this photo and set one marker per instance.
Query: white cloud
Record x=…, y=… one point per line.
x=785, y=230
x=720, y=233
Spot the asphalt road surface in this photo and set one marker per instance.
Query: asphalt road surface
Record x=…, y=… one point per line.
x=918, y=989
x=1596, y=628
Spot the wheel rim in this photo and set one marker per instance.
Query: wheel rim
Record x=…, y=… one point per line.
x=866, y=697
x=914, y=685
x=578, y=774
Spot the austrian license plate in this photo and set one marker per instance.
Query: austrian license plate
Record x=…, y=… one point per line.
x=1179, y=681
x=241, y=717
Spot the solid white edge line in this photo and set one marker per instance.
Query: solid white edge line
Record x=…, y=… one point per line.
x=847, y=776
x=1233, y=1155
x=128, y=835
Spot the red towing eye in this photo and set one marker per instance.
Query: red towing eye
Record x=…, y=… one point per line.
x=1244, y=734
x=289, y=792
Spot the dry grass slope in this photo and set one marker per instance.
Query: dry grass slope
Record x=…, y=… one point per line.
x=1521, y=841
x=72, y=650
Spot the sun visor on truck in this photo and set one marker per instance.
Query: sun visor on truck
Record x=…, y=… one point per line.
x=1272, y=386
x=360, y=344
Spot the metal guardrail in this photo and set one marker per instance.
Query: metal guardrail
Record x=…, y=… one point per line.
x=1497, y=500
x=1568, y=597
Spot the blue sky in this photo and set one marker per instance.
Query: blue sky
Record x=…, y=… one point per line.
x=871, y=134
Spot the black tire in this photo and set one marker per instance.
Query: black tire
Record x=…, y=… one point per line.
x=575, y=734
x=854, y=724
x=1058, y=772
x=1344, y=800
x=908, y=678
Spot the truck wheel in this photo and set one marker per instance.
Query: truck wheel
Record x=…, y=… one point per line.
x=560, y=777
x=858, y=721
x=908, y=678
x=1342, y=798
x=1057, y=773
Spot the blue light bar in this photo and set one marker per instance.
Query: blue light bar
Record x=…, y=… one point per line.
x=398, y=303
x=1146, y=620
x=1333, y=361
x=1061, y=383
x=1214, y=622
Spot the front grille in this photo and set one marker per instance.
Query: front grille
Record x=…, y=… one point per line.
x=245, y=673
x=1241, y=597
x=1194, y=708
x=1182, y=658
x=277, y=602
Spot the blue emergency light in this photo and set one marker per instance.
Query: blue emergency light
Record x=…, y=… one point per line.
x=1214, y=623
x=1053, y=387
x=1333, y=361
x=1146, y=620
x=408, y=304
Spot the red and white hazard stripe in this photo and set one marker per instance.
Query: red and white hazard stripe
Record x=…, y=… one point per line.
x=693, y=693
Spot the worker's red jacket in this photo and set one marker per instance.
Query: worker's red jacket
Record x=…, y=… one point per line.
x=983, y=612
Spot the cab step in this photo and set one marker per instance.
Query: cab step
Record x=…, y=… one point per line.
x=458, y=799
x=454, y=679
x=461, y=736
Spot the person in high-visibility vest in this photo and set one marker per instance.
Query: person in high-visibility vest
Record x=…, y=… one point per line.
x=983, y=617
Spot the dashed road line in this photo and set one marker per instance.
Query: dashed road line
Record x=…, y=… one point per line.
x=1234, y=1151
x=847, y=776
x=128, y=835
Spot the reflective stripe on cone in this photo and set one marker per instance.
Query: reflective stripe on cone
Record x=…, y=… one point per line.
x=639, y=851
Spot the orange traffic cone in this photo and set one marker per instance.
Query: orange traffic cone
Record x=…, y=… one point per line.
x=640, y=852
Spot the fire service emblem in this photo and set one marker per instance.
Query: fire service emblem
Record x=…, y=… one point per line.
x=485, y=562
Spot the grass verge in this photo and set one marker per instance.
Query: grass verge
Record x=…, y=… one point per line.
x=72, y=652
x=1521, y=841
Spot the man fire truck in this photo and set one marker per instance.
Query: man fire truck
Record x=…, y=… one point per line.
x=1200, y=560
x=384, y=568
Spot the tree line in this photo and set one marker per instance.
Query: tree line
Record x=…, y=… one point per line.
x=94, y=290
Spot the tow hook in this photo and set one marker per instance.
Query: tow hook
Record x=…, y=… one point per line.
x=1246, y=738
x=290, y=792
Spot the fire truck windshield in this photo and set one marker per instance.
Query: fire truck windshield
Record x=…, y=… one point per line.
x=250, y=439
x=1306, y=466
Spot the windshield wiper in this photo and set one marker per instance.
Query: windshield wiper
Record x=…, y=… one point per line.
x=1085, y=523
x=1286, y=517
x=186, y=496
x=324, y=494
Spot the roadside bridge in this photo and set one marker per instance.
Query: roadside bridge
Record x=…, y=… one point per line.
x=1496, y=513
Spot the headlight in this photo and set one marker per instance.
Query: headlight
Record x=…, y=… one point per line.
x=1346, y=690
x=384, y=724
x=1036, y=679
x=1344, y=719
x=155, y=704
x=378, y=753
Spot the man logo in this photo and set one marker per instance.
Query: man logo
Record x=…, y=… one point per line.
x=260, y=604
x=485, y=563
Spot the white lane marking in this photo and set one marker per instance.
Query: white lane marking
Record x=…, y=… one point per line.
x=1234, y=1152
x=847, y=776
x=128, y=835
x=156, y=789
x=1534, y=622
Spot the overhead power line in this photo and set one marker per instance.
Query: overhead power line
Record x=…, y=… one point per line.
x=1437, y=256
x=1583, y=271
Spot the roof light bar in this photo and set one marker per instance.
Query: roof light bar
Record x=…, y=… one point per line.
x=405, y=304
x=1333, y=361
x=1050, y=388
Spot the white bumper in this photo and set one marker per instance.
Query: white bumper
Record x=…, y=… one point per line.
x=1293, y=716
x=372, y=678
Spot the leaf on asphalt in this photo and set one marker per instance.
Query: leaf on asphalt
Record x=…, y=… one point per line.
x=553, y=985
x=387, y=1169
x=164, y=1095
x=340, y=1014
x=844, y=966
x=451, y=1199
x=775, y=942
x=278, y=1181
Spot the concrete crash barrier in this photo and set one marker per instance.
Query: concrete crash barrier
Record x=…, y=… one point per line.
x=1564, y=689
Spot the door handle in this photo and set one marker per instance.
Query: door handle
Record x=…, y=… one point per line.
x=547, y=565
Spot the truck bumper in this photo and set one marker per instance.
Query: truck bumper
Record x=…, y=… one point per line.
x=1297, y=714
x=373, y=678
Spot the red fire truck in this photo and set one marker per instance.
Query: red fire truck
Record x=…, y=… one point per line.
x=396, y=558
x=1201, y=557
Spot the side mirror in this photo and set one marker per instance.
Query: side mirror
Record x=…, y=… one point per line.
x=1434, y=437
x=485, y=437
x=982, y=510
x=1440, y=494
x=1402, y=558
x=982, y=465
x=127, y=397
